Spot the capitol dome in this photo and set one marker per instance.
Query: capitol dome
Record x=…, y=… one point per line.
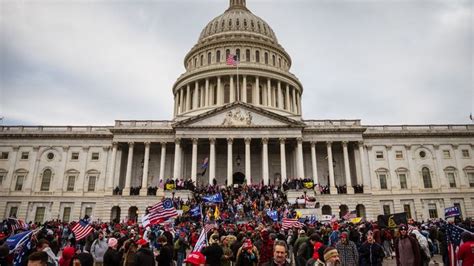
x=237, y=18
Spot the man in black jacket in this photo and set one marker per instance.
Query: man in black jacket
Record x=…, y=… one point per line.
x=280, y=253
x=213, y=252
x=112, y=256
x=371, y=253
x=144, y=256
x=165, y=258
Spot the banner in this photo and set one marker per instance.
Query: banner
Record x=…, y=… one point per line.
x=392, y=220
x=216, y=198
x=309, y=184
x=451, y=212
x=169, y=186
x=273, y=215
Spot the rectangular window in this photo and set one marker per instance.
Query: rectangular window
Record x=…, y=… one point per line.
x=95, y=156
x=470, y=177
x=407, y=210
x=386, y=209
x=19, y=182
x=4, y=155
x=398, y=155
x=25, y=155
x=13, y=211
x=74, y=156
x=91, y=184
x=383, y=181
x=403, y=180
x=446, y=154
x=379, y=154
x=465, y=153
x=2, y=177
x=70, y=183
x=451, y=180
x=433, y=212
x=39, y=215
x=66, y=214
x=88, y=211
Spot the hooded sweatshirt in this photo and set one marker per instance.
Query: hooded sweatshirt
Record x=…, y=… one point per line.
x=68, y=253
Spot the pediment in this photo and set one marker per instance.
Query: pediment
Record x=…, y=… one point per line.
x=239, y=115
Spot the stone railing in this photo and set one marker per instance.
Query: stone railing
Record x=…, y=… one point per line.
x=411, y=128
x=332, y=123
x=53, y=129
x=142, y=123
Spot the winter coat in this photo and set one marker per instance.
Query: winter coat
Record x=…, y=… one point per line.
x=111, y=257
x=144, y=257
x=166, y=256
x=98, y=249
x=213, y=254
x=415, y=248
x=371, y=254
x=348, y=253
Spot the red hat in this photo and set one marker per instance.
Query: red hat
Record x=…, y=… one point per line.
x=247, y=244
x=196, y=258
x=142, y=242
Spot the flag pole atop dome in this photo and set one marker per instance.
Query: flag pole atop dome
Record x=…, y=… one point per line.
x=237, y=4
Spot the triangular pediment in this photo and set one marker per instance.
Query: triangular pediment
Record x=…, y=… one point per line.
x=239, y=115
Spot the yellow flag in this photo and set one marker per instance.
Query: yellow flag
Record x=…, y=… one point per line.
x=356, y=220
x=217, y=214
x=298, y=214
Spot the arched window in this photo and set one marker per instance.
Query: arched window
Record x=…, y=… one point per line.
x=218, y=56
x=326, y=210
x=249, y=93
x=279, y=62
x=3, y=176
x=273, y=60
x=195, y=62
x=360, y=210
x=237, y=52
x=46, y=180
x=227, y=53
x=209, y=58
x=266, y=58
x=202, y=60
x=247, y=55
x=257, y=56
x=425, y=172
x=226, y=93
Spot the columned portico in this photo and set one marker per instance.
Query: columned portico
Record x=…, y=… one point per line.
x=248, y=165
x=314, y=163
x=128, y=175
x=266, y=176
x=177, y=159
x=347, y=171
x=212, y=160
x=283, y=160
x=143, y=190
x=229, y=161
x=332, y=182
x=194, y=160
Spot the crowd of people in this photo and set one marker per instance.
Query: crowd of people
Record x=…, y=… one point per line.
x=242, y=233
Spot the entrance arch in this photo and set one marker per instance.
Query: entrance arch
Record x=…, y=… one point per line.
x=115, y=214
x=360, y=210
x=133, y=213
x=238, y=178
x=326, y=210
x=343, y=210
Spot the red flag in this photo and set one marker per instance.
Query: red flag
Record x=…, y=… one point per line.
x=288, y=223
x=232, y=60
x=82, y=229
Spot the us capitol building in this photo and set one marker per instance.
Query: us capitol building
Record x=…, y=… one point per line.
x=248, y=125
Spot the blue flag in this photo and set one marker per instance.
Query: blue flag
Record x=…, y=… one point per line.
x=19, y=245
x=196, y=211
x=216, y=198
x=273, y=215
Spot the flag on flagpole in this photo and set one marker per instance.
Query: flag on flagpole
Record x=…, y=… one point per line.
x=217, y=214
x=350, y=215
x=201, y=242
x=19, y=245
x=16, y=224
x=216, y=198
x=82, y=229
x=204, y=166
x=196, y=211
x=453, y=235
x=288, y=223
x=232, y=60
x=159, y=212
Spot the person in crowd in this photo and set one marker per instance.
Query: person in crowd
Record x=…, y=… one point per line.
x=407, y=249
x=466, y=249
x=68, y=253
x=214, y=251
x=195, y=259
x=181, y=245
x=130, y=248
x=306, y=249
x=38, y=258
x=112, y=255
x=302, y=238
x=348, y=253
x=280, y=254
x=98, y=249
x=227, y=256
x=387, y=242
x=144, y=255
x=425, y=253
x=371, y=253
x=43, y=245
x=247, y=254
x=331, y=256
x=83, y=259
x=266, y=247
x=165, y=255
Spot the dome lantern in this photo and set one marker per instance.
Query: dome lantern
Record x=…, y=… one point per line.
x=237, y=4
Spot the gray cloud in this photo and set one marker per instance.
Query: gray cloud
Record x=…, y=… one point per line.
x=385, y=62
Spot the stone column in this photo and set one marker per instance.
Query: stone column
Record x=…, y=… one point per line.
x=298, y=96
x=194, y=161
x=314, y=163
x=299, y=159
x=219, y=92
x=162, y=161
x=111, y=172
x=280, y=96
x=269, y=92
x=128, y=175
x=463, y=181
x=265, y=161
x=332, y=183
x=206, y=97
x=144, y=189
x=257, y=92
x=293, y=109
x=175, y=113
x=244, y=89
x=365, y=176
x=212, y=160
x=282, y=160
x=177, y=159
x=287, y=97
x=347, y=170
x=232, y=89
x=181, y=101
x=188, y=97
x=229, y=161
x=248, y=165
x=195, y=95
x=10, y=175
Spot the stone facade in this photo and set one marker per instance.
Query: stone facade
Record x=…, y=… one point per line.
x=248, y=123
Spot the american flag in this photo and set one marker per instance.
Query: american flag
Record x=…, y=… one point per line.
x=82, y=229
x=288, y=223
x=201, y=242
x=161, y=211
x=350, y=215
x=453, y=235
x=16, y=224
x=232, y=60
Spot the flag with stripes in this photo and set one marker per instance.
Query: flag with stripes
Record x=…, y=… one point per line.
x=16, y=224
x=232, y=60
x=288, y=223
x=159, y=212
x=350, y=215
x=82, y=229
x=453, y=235
x=202, y=240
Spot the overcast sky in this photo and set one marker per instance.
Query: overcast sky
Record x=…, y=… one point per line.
x=90, y=62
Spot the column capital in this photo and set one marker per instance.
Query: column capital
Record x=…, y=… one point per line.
x=66, y=147
x=15, y=147
x=230, y=140
x=455, y=146
x=264, y=140
x=282, y=140
x=344, y=143
x=36, y=148
x=195, y=141
x=299, y=140
x=408, y=146
x=177, y=141
x=212, y=140
x=131, y=143
x=163, y=143
x=85, y=148
x=360, y=142
x=329, y=143
x=105, y=148
x=436, y=146
x=388, y=147
x=147, y=143
x=313, y=143
x=247, y=141
x=114, y=144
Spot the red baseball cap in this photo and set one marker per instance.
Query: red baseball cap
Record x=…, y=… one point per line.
x=142, y=242
x=196, y=258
